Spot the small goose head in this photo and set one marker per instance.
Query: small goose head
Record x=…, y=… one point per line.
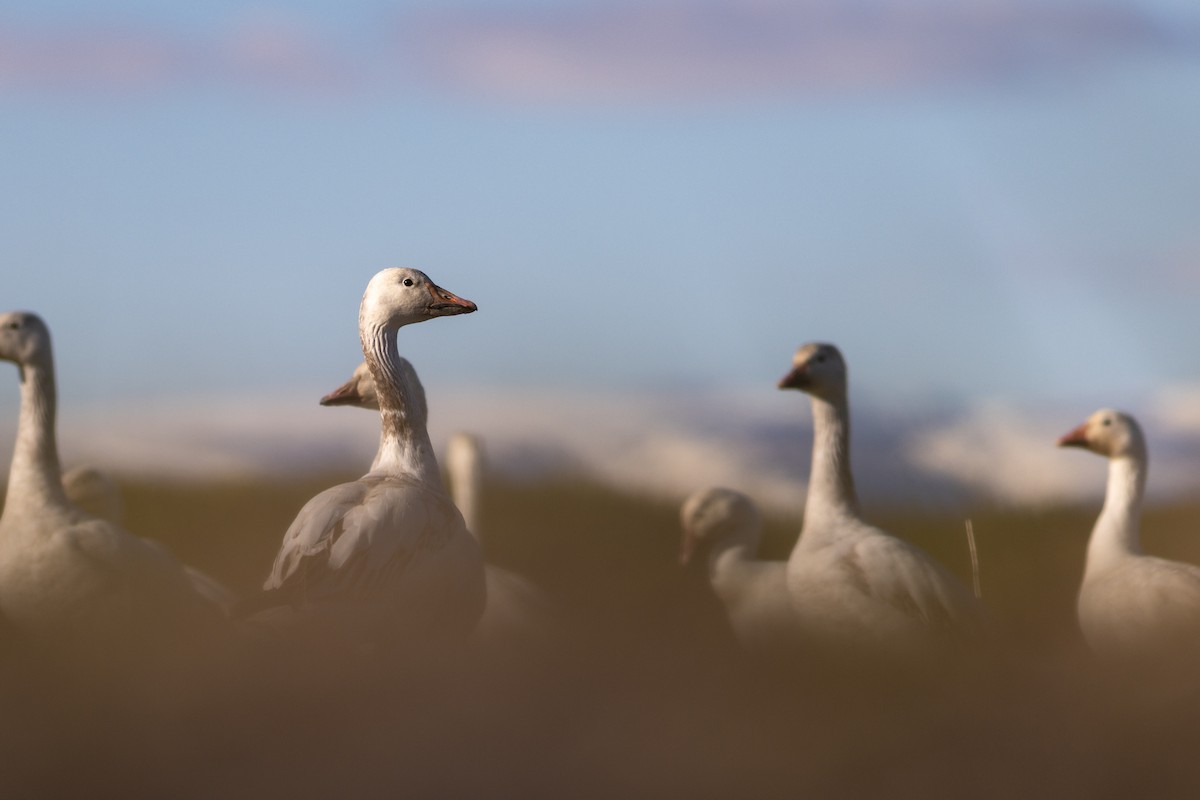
x=818, y=369
x=359, y=391
x=24, y=337
x=401, y=296
x=1109, y=433
x=714, y=515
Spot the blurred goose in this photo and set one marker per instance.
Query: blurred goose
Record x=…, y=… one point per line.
x=388, y=555
x=1130, y=604
x=95, y=491
x=67, y=576
x=851, y=581
x=724, y=528
x=516, y=609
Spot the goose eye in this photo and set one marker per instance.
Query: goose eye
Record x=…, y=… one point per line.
x=407, y=281
x=1106, y=422
x=821, y=359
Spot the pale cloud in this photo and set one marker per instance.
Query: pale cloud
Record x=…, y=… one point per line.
x=592, y=52
x=650, y=443
x=1007, y=454
x=1178, y=409
x=280, y=50
x=273, y=51
x=90, y=59
x=1010, y=454
x=677, y=50
x=663, y=444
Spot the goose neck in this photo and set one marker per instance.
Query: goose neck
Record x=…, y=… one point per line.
x=831, y=492
x=1117, y=529
x=35, y=478
x=404, y=445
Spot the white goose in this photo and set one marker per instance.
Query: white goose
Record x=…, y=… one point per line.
x=724, y=527
x=67, y=576
x=388, y=555
x=850, y=581
x=95, y=491
x=1130, y=604
x=516, y=609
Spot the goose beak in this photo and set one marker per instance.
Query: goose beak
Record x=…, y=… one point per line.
x=796, y=379
x=345, y=395
x=1076, y=438
x=446, y=304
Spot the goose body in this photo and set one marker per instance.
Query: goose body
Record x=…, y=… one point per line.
x=850, y=581
x=516, y=609
x=388, y=555
x=67, y=576
x=1130, y=604
x=95, y=492
x=724, y=527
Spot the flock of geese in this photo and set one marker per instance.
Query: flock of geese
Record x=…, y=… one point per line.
x=391, y=559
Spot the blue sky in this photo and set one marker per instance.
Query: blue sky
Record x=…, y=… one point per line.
x=992, y=204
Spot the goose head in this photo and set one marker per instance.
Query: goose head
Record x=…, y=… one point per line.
x=359, y=391
x=24, y=338
x=401, y=296
x=714, y=515
x=1109, y=433
x=818, y=369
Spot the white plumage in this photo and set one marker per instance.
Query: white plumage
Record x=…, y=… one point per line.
x=850, y=581
x=516, y=609
x=724, y=527
x=67, y=576
x=1130, y=604
x=388, y=555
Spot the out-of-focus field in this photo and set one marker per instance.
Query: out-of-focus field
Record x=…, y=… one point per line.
x=642, y=695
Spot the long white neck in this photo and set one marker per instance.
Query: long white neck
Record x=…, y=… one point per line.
x=35, y=478
x=831, y=494
x=404, y=446
x=1116, y=532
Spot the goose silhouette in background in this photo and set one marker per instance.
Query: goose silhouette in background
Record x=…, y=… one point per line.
x=1130, y=605
x=516, y=609
x=97, y=493
x=386, y=556
x=850, y=581
x=67, y=576
x=723, y=527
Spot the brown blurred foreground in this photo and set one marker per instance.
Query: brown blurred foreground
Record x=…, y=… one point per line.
x=643, y=695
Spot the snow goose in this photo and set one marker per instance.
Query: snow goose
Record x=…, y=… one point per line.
x=388, y=555
x=724, y=527
x=850, y=581
x=1130, y=604
x=66, y=576
x=516, y=609
x=95, y=491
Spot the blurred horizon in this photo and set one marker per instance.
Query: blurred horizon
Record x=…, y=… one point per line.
x=990, y=208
